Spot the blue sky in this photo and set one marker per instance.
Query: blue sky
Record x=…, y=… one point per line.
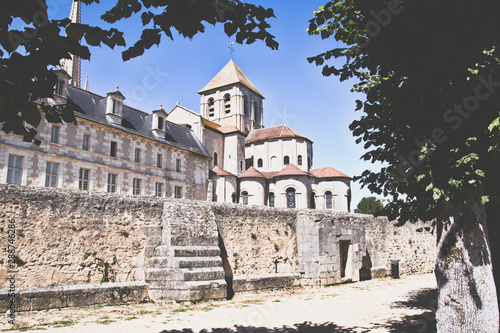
x=320, y=108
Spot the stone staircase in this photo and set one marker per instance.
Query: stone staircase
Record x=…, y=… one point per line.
x=187, y=266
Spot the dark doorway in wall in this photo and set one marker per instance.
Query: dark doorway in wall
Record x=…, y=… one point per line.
x=365, y=272
x=344, y=247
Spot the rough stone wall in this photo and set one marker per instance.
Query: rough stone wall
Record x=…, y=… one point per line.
x=258, y=240
x=71, y=237
x=415, y=246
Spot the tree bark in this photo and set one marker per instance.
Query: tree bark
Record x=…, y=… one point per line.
x=493, y=220
x=467, y=299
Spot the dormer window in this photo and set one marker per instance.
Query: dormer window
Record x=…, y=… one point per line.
x=59, y=90
x=227, y=103
x=114, y=107
x=158, y=122
x=211, y=107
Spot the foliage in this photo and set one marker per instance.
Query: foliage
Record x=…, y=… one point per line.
x=30, y=54
x=432, y=95
x=369, y=205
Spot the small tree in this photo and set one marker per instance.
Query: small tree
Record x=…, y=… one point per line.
x=369, y=205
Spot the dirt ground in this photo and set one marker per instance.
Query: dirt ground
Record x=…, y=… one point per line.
x=385, y=305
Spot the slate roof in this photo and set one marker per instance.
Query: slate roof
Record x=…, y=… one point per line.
x=328, y=172
x=229, y=75
x=276, y=132
x=91, y=106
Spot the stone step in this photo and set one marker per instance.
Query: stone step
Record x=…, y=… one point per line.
x=185, y=262
x=191, y=291
x=163, y=274
x=196, y=251
x=203, y=274
x=200, y=262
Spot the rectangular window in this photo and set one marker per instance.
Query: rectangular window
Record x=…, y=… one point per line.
x=178, y=192
x=51, y=174
x=112, y=152
x=115, y=107
x=271, y=200
x=54, y=135
x=178, y=165
x=86, y=142
x=158, y=191
x=14, y=170
x=136, y=186
x=111, y=183
x=160, y=123
x=137, y=156
x=159, y=158
x=59, y=87
x=83, y=179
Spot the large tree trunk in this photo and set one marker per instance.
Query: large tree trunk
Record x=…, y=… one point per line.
x=493, y=221
x=467, y=299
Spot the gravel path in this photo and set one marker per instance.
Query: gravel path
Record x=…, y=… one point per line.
x=385, y=305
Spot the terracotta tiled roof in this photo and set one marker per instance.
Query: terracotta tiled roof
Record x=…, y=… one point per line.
x=252, y=173
x=276, y=132
x=291, y=170
x=328, y=173
x=270, y=174
x=211, y=124
x=228, y=129
x=221, y=172
x=228, y=75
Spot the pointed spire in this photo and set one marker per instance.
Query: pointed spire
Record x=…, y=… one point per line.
x=87, y=83
x=73, y=66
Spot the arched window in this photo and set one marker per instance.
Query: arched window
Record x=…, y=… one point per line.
x=246, y=107
x=227, y=103
x=244, y=197
x=256, y=112
x=299, y=160
x=273, y=162
x=290, y=197
x=260, y=163
x=216, y=159
x=328, y=200
x=211, y=107
x=286, y=160
x=233, y=197
x=271, y=199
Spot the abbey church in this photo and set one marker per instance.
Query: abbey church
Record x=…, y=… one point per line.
x=223, y=153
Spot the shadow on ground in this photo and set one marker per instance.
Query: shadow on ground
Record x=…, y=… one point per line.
x=424, y=299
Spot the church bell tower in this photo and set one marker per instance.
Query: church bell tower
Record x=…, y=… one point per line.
x=230, y=99
x=73, y=66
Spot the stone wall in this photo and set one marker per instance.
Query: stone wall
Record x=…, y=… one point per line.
x=71, y=237
x=67, y=238
x=258, y=240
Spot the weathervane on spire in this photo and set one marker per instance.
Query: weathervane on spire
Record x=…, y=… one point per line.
x=232, y=49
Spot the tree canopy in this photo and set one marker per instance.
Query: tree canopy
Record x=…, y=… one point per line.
x=29, y=54
x=369, y=205
x=431, y=89
x=430, y=72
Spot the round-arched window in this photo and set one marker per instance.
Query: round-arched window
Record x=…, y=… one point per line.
x=227, y=103
x=244, y=197
x=211, y=107
x=286, y=160
x=290, y=197
x=328, y=200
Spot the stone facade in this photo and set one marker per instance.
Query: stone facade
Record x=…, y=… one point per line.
x=191, y=250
